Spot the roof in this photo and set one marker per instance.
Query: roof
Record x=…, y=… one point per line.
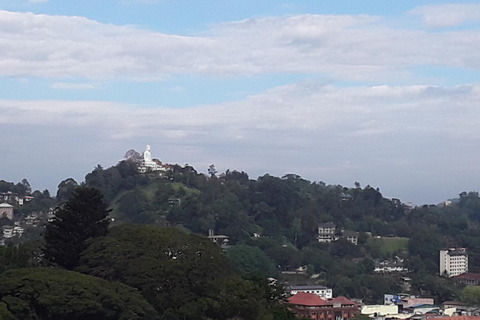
x=5, y=205
x=341, y=300
x=312, y=287
x=307, y=299
x=456, y=303
x=349, y=233
x=461, y=318
x=327, y=225
x=467, y=276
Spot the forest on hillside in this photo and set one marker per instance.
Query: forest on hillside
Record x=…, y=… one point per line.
x=272, y=224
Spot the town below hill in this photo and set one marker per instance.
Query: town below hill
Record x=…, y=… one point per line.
x=310, y=237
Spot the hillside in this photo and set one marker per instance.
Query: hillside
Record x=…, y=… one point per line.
x=276, y=220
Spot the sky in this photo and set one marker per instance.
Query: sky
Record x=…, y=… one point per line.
x=383, y=93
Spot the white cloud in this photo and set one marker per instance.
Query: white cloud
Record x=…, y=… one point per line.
x=448, y=15
x=343, y=47
x=390, y=134
x=73, y=86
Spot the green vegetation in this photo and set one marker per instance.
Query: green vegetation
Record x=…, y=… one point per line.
x=271, y=223
x=82, y=217
x=47, y=293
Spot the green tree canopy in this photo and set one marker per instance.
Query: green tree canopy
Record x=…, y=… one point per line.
x=82, y=217
x=171, y=269
x=251, y=259
x=53, y=294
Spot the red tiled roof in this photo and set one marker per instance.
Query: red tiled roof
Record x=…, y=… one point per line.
x=461, y=318
x=468, y=276
x=307, y=299
x=341, y=300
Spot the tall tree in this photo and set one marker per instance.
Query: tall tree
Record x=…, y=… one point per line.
x=82, y=217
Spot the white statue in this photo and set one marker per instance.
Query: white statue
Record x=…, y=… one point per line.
x=147, y=155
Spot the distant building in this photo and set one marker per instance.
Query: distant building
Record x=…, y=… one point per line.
x=350, y=236
x=311, y=306
x=320, y=291
x=326, y=232
x=453, y=261
x=389, y=266
x=379, y=310
x=219, y=239
x=6, y=210
x=468, y=278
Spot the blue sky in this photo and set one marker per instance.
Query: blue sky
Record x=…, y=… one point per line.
x=386, y=94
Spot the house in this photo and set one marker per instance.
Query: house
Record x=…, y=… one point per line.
x=389, y=266
x=468, y=278
x=8, y=232
x=351, y=236
x=379, y=310
x=320, y=291
x=6, y=210
x=453, y=261
x=219, y=239
x=311, y=306
x=326, y=232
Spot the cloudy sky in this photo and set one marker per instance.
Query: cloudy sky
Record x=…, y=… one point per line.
x=384, y=93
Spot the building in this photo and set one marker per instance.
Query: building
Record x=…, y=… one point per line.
x=453, y=261
x=6, y=210
x=311, y=306
x=219, y=239
x=379, y=310
x=320, y=291
x=351, y=236
x=389, y=266
x=468, y=278
x=326, y=232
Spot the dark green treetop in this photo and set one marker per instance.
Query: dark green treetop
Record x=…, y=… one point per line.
x=82, y=217
x=53, y=293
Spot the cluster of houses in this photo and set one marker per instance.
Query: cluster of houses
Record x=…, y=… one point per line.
x=317, y=302
x=327, y=232
x=17, y=225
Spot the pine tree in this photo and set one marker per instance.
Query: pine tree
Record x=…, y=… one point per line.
x=82, y=217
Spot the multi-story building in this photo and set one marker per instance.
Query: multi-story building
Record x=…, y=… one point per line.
x=326, y=232
x=453, y=261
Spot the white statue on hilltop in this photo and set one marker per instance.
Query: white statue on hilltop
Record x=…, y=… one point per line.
x=147, y=155
x=148, y=164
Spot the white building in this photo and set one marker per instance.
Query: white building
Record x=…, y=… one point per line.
x=453, y=261
x=326, y=232
x=320, y=291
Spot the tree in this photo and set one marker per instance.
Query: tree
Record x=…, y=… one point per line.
x=66, y=189
x=82, y=217
x=251, y=259
x=40, y=293
x=471, y=295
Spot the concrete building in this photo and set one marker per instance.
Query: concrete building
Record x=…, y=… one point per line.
x=320, y=291
x=453, y=261
x=326, y=232
x=379, y=310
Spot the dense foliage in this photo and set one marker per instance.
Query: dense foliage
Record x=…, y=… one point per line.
x=53, y=294
x=82, y=217
x=272, y=226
